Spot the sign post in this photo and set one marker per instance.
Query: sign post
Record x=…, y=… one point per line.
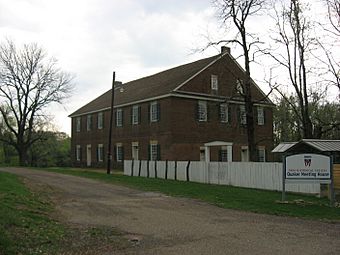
x=307, y=168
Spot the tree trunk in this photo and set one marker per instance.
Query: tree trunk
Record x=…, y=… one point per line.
x=23, y=156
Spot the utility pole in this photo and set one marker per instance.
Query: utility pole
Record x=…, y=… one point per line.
x=109, y=149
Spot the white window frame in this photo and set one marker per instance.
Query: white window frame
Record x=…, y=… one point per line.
x=119, y=152
x=135, y=115
x=119, y=117
x=78, y=152
x=243, y=115
x=214, y=82
x=153, y=150
x=202, y=111
x=260, y=115
x=224, y=113
x=78, y=124
x=100, y=152
x=100, y=120
x=224, y=154
x=261, y=150
x=89, y=122
x=154, y=111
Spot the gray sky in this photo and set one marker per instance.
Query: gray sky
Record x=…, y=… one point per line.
x=91, y=38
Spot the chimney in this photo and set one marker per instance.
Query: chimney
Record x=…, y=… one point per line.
x=225, y=49
x=118, y=84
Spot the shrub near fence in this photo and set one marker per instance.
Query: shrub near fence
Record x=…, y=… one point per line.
x=241, y=174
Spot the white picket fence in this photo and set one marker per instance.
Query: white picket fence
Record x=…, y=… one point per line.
x=257, y=175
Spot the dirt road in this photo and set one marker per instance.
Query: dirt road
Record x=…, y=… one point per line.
x=165, y=225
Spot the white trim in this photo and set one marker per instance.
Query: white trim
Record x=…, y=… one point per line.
x=204, y=68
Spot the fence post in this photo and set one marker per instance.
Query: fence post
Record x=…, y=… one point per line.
x=132, y=164
x=166, y=169
x=188, y=165
x=155, y=169
x=175, y=170
x=140, y=167
x=147, y=169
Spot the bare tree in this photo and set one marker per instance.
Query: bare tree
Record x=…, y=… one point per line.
x=334, y=14
x=238, y=12
x=295, y=45
x=29, y=82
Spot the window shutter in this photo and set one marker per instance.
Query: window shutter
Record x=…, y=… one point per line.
x=239, y=115
x=229, y=114
x=219, y=112
x=114, y=153
x=256, y=115
x=158, y=152
x=97, y=153
x=81, y=153
x=139, y=114
x=158, y=111
x=264, y=116
x=122, y=117
x=115, y=118
x=220, y=155
x=122, y=153
x=197, y=111
x=149, y=112
x=208, y=112
x=149, y=151
x=131, y=115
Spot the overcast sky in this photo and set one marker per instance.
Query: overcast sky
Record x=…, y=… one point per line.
x=135, y=38
x=91, y=38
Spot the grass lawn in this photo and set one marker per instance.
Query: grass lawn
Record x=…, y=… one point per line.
x=25, y=227
x=259, y=201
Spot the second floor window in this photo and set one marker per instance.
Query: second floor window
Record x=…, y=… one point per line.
x=78, y=124
x=154, y=112
x=89, y=122
x=100, y=120
x=243, y=115
x=202, y=111
x=260, y=116
x=119, y=118
x=224, y=113
x=135, y=118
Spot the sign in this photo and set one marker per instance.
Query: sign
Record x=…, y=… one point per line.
x=308, y=167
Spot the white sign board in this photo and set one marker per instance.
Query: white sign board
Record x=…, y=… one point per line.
x=308, y=167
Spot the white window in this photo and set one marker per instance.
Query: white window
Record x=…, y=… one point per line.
x=119, y=117
x=78, y=124
x=224, y=155
x=154, y=151
x=119, y=152
x=89, y=122
x=100, y=120
x=202, y=153
x=154, y=112
x=261, y=154
x=135, y=114
x=78, y=152
x=260, y=116
x=224, y=113
x=243, y=115
x=202, y=114
x=100, y=152
x=214, y=82
x=239, y=86
x=135, y=150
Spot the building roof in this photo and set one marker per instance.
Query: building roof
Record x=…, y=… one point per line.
x=320, y=145
x=154, y=86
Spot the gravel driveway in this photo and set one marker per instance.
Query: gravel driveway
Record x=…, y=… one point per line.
x=165, y=225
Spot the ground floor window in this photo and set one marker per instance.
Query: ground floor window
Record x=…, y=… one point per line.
x=154, y=151
x=224, y=154
x=135, y=150
x=78, y=153
x=100, y=153
x=119, y=152
x=261, y=154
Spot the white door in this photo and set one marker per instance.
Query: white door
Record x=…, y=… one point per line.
x=88, y=155
x=244, y=155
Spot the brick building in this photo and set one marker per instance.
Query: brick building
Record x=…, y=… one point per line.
x=178, y=114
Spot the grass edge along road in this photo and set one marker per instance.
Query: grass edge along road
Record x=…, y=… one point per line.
x=27, y=225
x=245, y=199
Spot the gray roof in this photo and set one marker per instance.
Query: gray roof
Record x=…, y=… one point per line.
x=320, y=145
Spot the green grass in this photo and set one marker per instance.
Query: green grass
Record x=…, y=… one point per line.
x=25, y=227
x=259, y=201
